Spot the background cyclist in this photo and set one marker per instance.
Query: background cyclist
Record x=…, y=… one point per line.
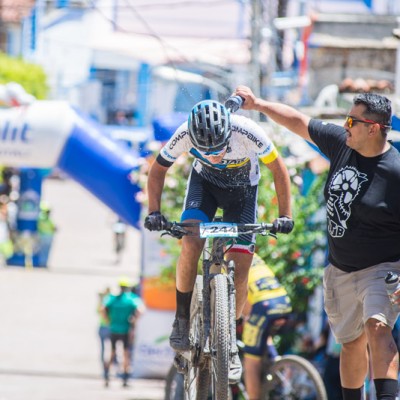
x=225, y=173
x=267, y=303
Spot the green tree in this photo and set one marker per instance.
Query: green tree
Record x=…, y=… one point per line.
x=30, y=76
x=293, y=257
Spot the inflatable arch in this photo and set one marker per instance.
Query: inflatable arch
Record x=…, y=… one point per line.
x=47, y=134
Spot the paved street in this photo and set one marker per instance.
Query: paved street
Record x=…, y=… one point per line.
x=49, y=348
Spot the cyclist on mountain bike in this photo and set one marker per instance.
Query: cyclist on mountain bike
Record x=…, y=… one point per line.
x=225, y=174
x=267, y=303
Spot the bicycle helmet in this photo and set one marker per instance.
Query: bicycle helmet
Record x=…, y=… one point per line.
x=209, y=125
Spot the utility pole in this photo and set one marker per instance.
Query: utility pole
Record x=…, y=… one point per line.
x=255, y=64
x=2, y=39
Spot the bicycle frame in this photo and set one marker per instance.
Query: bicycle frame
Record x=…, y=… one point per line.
x=213, y=309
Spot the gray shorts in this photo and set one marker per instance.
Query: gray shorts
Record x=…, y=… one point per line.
x=351, y=299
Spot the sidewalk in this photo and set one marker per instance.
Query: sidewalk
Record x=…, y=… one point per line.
x=49, y=348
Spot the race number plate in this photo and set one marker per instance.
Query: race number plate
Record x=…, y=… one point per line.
x=218, y=229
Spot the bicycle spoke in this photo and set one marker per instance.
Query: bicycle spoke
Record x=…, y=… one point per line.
x=293, y=378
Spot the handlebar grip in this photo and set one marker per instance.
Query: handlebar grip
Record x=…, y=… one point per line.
x=167, y=225
x=233, y=103
x=268, y=226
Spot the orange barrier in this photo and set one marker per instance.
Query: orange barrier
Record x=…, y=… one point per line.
x=159, y=295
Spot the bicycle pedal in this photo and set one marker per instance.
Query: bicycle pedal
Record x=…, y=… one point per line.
x=180, y=364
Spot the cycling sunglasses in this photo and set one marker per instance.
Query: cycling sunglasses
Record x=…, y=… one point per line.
x=213, y=153
x=350, y=120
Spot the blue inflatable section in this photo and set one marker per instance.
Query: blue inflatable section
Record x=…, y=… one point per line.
x=165, y=125
x=108, y=169
x=29, y=200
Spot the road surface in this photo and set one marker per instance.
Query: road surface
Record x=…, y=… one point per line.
x=49, y=348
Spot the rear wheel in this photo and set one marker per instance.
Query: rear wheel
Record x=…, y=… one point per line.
x=174, y=389
x=197, y=373
x=293, y=378
x=220, y=337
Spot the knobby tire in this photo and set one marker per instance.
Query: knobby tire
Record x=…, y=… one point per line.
x=220, y=337
x=174, y=389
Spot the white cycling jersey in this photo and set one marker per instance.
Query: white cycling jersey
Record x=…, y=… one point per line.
x=239, y=166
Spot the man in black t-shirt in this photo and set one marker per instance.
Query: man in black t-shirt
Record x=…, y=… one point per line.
x=362, y=193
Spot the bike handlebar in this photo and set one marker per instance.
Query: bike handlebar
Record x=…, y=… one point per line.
x=178, y=229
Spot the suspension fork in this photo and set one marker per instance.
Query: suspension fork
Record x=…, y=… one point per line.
x=232, y=306
x=206, y=298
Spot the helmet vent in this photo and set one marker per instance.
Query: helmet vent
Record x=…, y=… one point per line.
x=209, y=125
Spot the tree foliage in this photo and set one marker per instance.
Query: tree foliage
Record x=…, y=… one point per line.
x=30, y=76
x=297, y=259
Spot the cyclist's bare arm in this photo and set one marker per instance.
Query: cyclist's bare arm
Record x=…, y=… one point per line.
x=155, y=185
x=282, y=185
x=284, y=115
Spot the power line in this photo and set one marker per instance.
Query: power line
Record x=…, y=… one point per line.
x=164, y=44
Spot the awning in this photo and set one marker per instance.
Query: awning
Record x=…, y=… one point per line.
x=221, y=52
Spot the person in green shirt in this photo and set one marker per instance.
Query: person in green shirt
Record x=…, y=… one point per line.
x=121, y=311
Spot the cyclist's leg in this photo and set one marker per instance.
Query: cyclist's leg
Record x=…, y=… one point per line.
x=241, y=206
x=199, y=205
x=186, y=271
x=242, y=265
x=188, y=260
x=264, y=317
x=252, y=371
x=254, y=337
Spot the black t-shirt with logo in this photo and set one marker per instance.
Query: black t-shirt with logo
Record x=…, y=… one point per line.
x=362, y=201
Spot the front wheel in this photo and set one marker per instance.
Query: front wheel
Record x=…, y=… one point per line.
x=293, y=378
x=220, y=337
x=174, y=385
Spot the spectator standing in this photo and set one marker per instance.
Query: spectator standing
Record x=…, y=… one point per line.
x=121, y=310
x=363, y=218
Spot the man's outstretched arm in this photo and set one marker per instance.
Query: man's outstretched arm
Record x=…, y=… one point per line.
x=284, y=115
